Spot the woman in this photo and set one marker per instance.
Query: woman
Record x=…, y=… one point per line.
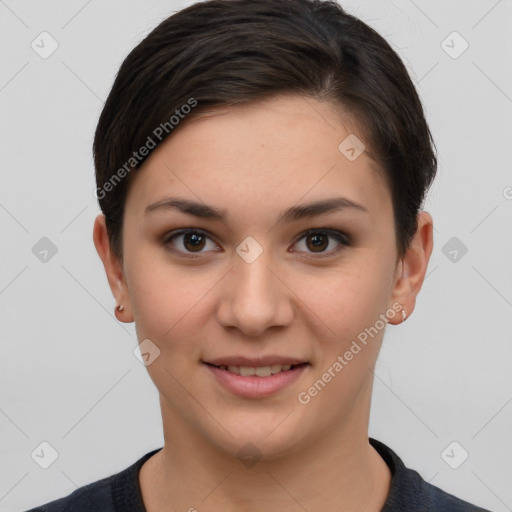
x=261, y=167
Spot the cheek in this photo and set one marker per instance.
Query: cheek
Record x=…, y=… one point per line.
x=351, y=305
x=171, y=306
x=349, y=298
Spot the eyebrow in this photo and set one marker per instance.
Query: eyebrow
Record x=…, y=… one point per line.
x=294, y=213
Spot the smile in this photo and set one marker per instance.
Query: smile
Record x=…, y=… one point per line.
x=256, y=381
x=259, y=371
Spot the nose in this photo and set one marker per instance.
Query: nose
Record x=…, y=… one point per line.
x=255, y=297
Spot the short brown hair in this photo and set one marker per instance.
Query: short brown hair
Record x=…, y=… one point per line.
x=227, y=52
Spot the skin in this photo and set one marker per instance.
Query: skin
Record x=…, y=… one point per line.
x=255, y=161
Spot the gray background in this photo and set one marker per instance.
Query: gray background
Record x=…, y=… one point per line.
x=68, y=375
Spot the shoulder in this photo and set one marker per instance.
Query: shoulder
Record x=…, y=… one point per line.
x=110, y=494
x=94, y=496
x=409, y=491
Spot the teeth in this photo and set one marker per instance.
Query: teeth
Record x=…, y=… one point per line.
x=259, y=371
x=263, y=371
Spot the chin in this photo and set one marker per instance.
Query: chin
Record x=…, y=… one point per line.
x=262, y=436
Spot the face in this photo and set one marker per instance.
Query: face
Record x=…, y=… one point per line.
x=254, y=276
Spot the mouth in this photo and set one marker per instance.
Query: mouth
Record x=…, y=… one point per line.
x=258, y=371
x=256, y=378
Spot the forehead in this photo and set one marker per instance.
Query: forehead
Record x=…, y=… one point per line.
x=272, y=152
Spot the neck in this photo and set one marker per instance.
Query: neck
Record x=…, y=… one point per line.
x=339, y=470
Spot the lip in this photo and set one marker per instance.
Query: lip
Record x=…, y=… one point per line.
x=252, y=386
x=253, y=362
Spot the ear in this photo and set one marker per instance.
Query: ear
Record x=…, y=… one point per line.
x=412, y=267
x=113, y=269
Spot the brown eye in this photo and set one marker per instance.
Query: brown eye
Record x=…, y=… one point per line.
x=318, y=240
x=188, y=241
x=193, y=241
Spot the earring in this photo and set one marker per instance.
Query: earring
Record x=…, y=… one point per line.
x=120, y=307
x=404, y=315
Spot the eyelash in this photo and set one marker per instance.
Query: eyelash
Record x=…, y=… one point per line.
x=339, y=236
